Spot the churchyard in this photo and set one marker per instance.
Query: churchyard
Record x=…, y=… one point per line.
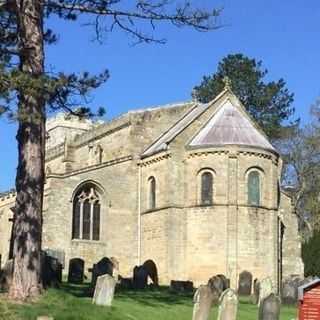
x=72, y=302
x=107, y=295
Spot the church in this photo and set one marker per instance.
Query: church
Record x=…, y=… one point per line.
x=194, y=187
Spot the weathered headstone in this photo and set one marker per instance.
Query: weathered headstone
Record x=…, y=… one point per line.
x=181, y=286
x=217, y=284
x=151, y=267
x=245, y=283
x=104, y=290
x=116, y=269
x=140, y=277
x=203, y=300
x=270, y=308
x=51, y=271
x=125, y=283
x=104, y=266
x=256, y=285
x=265, y=289
x=58, y=254
x=225, y=281
x=45, y=318
x=289, y=290
x=76, y=270
x=6, y=275
x=228, y=307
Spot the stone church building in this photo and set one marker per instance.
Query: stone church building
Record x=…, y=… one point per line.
x=194, y=187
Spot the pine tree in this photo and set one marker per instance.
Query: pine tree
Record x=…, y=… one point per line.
x=25, y=83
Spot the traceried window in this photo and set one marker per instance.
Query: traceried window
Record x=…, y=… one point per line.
x=254, y=188
x=86, y=214
x=206, y=188
x=152, y=193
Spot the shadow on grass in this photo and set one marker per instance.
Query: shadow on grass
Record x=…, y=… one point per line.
x=150, y=296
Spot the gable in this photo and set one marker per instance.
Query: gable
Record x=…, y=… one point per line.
x=230, y=126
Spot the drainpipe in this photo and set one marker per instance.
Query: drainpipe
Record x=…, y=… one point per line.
x=139, y=214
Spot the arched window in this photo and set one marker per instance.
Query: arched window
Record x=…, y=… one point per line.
x=254, y=188
x=86, y=214
x=152, y=193
x=206, y=188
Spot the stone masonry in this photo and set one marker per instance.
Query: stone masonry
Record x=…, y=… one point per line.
x=186, y=240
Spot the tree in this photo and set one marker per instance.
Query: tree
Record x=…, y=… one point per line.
x=269, y=103
x=301, y=154
x=24, y=82
x=310, y=255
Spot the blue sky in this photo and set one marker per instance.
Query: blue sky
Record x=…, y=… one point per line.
x=283, y=34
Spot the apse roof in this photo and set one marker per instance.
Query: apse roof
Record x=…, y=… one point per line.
x=230, y=126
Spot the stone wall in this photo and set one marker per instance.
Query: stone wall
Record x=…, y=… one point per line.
x=291, y=254
x=6, y=202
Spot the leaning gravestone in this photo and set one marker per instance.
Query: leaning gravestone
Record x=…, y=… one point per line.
x=152, y=271
x=225, y=281
x=104, y=290
x=217, y=285
x=228, y=307
x=245, y=283
x=270, y=308
x=140, y=277
x=51, y=271
x=203, y=300
x=76, y=270
x=104, y=266
x=265, y=289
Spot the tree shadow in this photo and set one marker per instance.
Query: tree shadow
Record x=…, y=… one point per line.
x=152, y=297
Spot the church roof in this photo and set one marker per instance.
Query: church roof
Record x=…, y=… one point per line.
x=229, y=125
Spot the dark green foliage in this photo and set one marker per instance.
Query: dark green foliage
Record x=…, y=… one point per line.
x=311, y=255
x=269, y=103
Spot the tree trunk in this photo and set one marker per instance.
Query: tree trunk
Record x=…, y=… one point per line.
x=27, y=224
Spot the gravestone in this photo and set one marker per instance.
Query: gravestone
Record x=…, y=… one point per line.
x=140, y=277
x=51, y=271
x=203, y=300
x=45, y=318
x=289, y=290
x=265, y=289
x=217, y=284
x=151, y=267
x=228, y=307
x=256, y=285
x=245, y=283
x=270, y=308
x=104, y=290
x=58, y=254
x=181, y=286
x=116, y=269
x=104, y=266
x=76, y=271
x=125, y=283
x=6, y=275
x=225, y=281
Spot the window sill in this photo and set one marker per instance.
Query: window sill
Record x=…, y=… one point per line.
x=91, y=242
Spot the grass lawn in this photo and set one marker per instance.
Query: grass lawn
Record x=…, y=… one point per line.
x=71, y=302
